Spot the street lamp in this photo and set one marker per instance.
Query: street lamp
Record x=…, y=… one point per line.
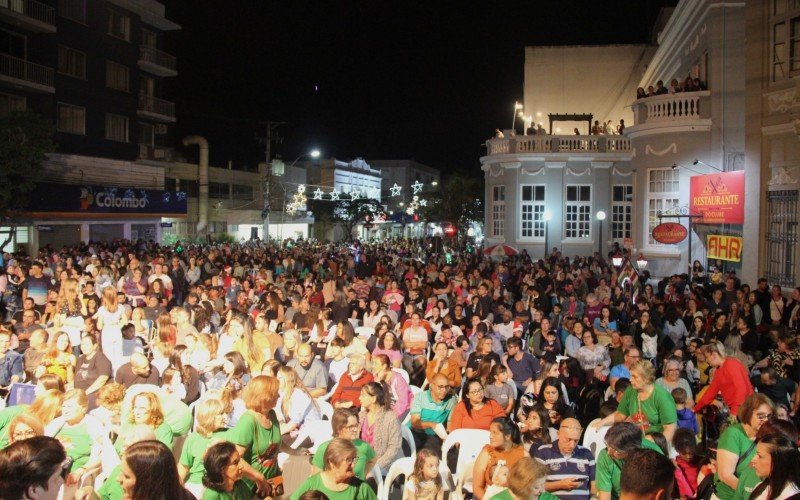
x=601, y=216
x=268, y=181
x=547, y=215
x=517, y=110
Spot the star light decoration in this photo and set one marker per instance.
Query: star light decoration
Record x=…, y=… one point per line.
x=417, y=187
x=318, y=194
x=395, y=189
x=298, y=200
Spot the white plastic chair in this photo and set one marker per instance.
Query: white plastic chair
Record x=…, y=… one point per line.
x=402, y=373
x=470, y=441
x=364, y=332
x=408, y=437
x=464, y=482
x=402, y=467
x=378, y=476
x=318, y=430
x=325, y=409
x=595, y=439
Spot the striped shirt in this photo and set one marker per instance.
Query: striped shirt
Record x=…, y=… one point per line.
x=580, y=465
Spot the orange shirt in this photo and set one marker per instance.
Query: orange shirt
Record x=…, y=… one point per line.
x=479, y=419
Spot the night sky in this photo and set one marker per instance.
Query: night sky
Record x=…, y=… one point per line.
x=428, y=81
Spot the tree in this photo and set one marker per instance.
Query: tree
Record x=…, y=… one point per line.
x=25, y=140
x=347, y=212
x=457, y=200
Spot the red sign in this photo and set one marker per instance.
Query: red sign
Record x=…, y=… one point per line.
x=669, y=233
x=719, y=198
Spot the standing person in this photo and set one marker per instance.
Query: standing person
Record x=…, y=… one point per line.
x=110, y=318
x=37, y=286
x=257, y=434
x=571, y=467
x=730, y=379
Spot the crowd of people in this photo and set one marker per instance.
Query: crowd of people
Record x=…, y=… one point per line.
x=689, y=84
x=311, y=370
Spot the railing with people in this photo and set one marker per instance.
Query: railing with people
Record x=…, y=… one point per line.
x=672, y=107
x=557, y=144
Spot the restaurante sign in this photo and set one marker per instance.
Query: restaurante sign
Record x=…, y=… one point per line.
x=719, y=198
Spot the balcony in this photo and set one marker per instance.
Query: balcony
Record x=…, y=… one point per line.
x=156, y=109
x=157, y=62
x=29, y=15
x=155, y=153
x=559, y=145
x=25, y=75
x=684, y=112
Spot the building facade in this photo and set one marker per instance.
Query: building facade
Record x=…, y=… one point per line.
x=95, y=68
x=403, y=173
x=645, y=172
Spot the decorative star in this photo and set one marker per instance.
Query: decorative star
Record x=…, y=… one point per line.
x=410, y=211
x=423, y=203
x=301, y=188
x=416, y=198
x=395, y=189
x=334, y=195
x=318, y=194
x=354, y=195
x=417, y=187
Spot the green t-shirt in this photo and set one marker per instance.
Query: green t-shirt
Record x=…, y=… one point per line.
x=747, y=483
x=659, y=408
x=192, y=454
x=77, y=442
x=364, y=455
x=6, y=416
x=357, y=490
x=163, y=433
x=240, y=492
x=506, y=495
x=609, y=470
x=111, y=489
x=734, y=440
x=262, y=444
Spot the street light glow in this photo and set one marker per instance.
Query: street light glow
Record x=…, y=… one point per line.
x=601, y=215
x=435, y=183
x=547, y=215
x=315, y=153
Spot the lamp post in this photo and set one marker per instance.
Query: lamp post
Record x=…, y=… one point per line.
x=268, y=181
x=601, y=216
x=517, y=110
x=547, y=215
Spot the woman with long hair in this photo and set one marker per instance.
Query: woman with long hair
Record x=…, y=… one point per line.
x=296, y=406
x=59, y=360
x=445, y=363
x=165, y=330
x=135, y=288
x=475, y=410
x=777, y=462
x=210, y=425
x=254, y=348
x=148, y=472
x=552, y=399
x=145, y=408
x=110, y=318
x=80, y=433
x=373, y=314
x=70, y=311
x=535, y=428
x=190, y=378
x=352, y=344
x=389, y=346
x=505, y=443
x=231, y=380
x=380, y=428
x=44, y=408
x=223, y=473
x=399, y=393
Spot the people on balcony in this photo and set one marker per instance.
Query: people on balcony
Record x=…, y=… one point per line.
x=689, y=84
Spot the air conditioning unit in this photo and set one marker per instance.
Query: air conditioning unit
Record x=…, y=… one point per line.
x=161, y=128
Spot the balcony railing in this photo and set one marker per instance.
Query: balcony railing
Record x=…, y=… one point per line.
x=34, y=15
x=682, y=107
x=158, y=62
x=558, y=144
x=41, y=77
x=159, y=153
x=155, y=106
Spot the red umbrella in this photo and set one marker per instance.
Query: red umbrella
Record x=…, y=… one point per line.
x=500, y=250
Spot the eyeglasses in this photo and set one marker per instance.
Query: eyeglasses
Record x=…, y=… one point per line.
x=476, y=391
x=763, y=416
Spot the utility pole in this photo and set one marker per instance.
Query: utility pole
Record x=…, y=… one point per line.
x=267, y=181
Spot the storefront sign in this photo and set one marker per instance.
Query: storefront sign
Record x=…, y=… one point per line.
x=669, y=233
x=71, y=201
x=722, y=247
x=166, y=224
x=45, y=229
x=719, y=198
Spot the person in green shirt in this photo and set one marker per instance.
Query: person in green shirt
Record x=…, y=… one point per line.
x=257, y=434
x=223, y=474
x=345, y=425
x=650, y=406
x=622, y=439
x=45, y=407
x=81, y=435
x=210, y=422
x=337, y=479
x=526, y=480
x=111, y=489
x=736, y=446
x=749, y=479
x=145, y=408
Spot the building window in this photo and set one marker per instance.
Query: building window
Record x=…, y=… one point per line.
x=117, y=76
x=9, y=103
x=662, y=195
x=218, y=190
x=148, y=39
x=578, y=212
x=782, y=237
x=71, y=119
x=621, y=211
x=119, y=25
x=74, y=10
x=116, y=127
x=13, y=44
x=146, y=134
x=21, y=237
x=532, y=211
x=498, y=211
x=242, y=192
x=71, y=62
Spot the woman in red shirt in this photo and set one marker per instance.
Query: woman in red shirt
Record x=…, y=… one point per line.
x=475, y=410
x=730, y=379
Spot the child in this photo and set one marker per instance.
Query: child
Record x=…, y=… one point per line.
x=686, y=417
x=687, y=462
x=499, y=390
x=424, y=483
x=499, y=479
x=551, y=346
